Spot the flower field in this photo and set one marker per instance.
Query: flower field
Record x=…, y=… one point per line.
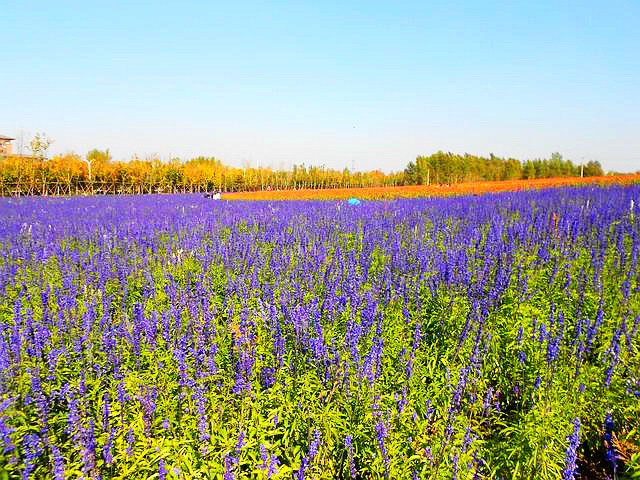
x=416, y=191
x=492, y=336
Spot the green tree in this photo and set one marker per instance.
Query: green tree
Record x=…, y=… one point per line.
x=593, y=169
x=411, y=174
x=97, y=158
x=529, y=170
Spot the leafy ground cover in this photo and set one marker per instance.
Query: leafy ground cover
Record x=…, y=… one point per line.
x=178, y=337
x=417, y=191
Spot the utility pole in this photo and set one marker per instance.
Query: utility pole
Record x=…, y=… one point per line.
x=90, y=179
x=89, y=165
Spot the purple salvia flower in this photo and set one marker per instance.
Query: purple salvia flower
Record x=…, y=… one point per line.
x=537, y=382
x=131, y=440
x=241, y=443
x=6, y=431
x=123, y=398
x=269, y=463
x=633, y=386
x=401, y=399
x=468, y=438
x=487, y=400
x=571, y=453
x=273, y=464
x=349, y=445
x=201, y=402
x=89, y=450
x=310, y=457
x=105, y=412
x=264, y=456
x=454, y=472
x=519, y=336
x=478, y=463
x=381, y=434
x=147, y=399
x=613, y=352
x=228, y=468
x=162, y=470
x=430, y=411
x=74, y=421
x=107, y=449
x=612, y=454
x=315, y=444
x=58, y=463
x=32, y=450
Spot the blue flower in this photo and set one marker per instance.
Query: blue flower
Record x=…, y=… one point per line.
x=162, y=469
x=269, y=463
x=612, y=455
x=571, y=453
x=348, y=443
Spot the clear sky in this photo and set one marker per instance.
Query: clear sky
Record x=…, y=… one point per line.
x=341, y=83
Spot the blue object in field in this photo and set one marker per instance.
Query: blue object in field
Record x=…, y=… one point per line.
x=353, y=201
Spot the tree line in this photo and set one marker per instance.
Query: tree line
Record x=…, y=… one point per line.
x=98, y=173
x=450, y=168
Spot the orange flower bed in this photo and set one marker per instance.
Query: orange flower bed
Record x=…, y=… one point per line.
x=412, y=191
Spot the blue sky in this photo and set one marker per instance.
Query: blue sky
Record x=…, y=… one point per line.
x=365, y=84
